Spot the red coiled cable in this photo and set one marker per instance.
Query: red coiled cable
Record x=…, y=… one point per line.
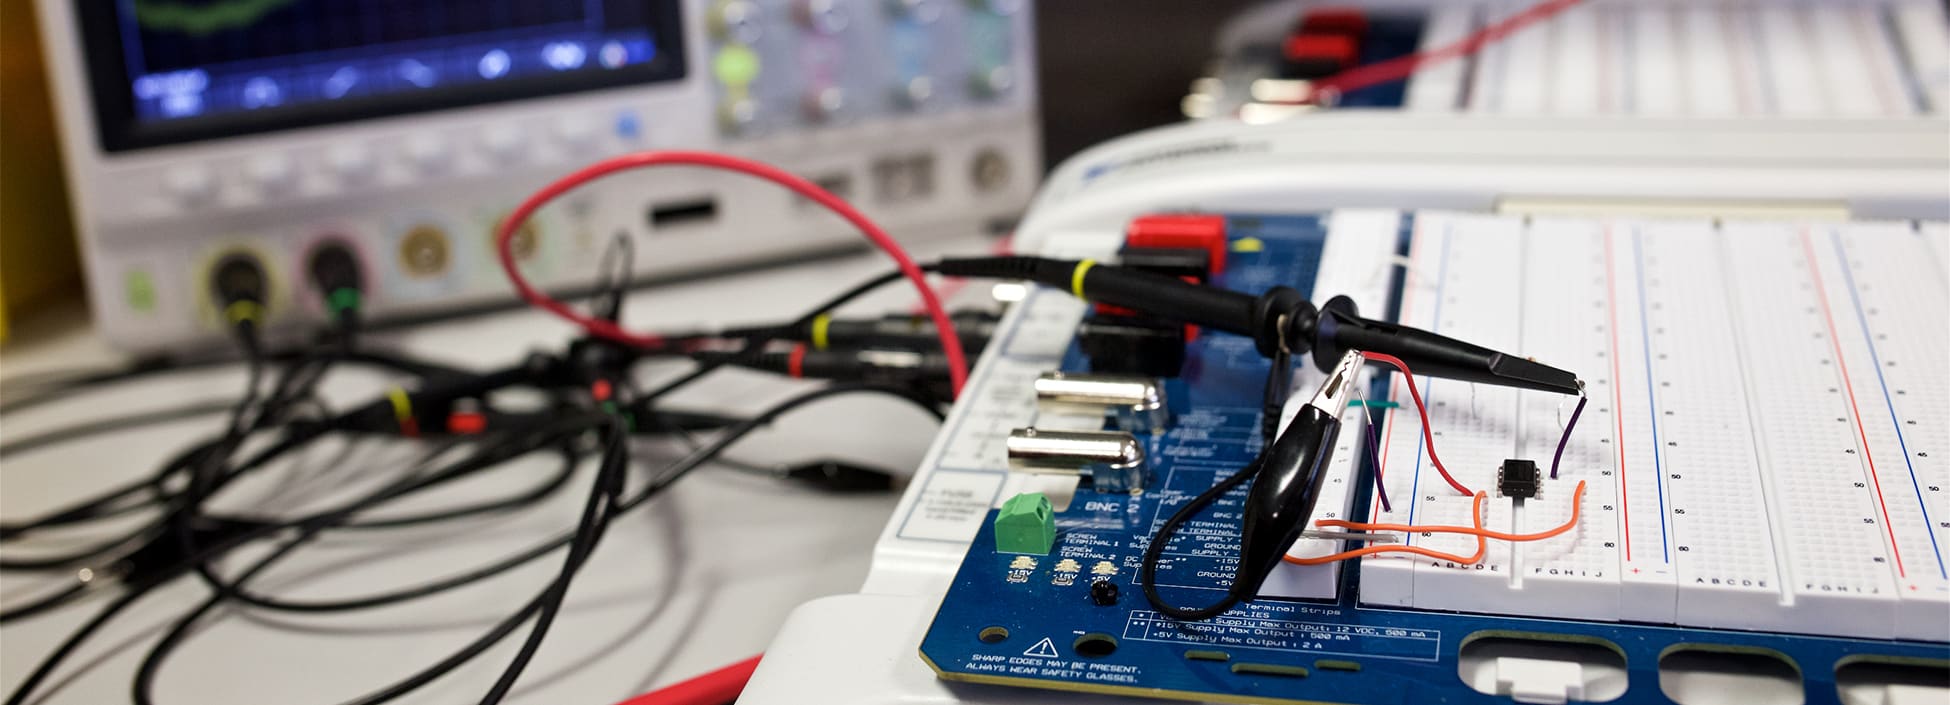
x=505, y=233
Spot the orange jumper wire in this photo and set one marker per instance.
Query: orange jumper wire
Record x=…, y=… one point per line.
x=1476, y=517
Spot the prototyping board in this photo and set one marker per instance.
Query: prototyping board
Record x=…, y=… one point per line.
x=1757, y=59
x=1762, y=453
x=1763, y=444
x=1866, y=58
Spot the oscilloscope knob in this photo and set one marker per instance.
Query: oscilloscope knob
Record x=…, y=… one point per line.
x=822, y=16
x=736, y=21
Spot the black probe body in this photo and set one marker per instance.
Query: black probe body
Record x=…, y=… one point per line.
x=1279, y=319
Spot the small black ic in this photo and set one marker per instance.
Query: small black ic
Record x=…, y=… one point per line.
x=1518, y=478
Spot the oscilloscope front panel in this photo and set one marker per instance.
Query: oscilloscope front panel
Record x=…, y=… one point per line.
x=197, y=129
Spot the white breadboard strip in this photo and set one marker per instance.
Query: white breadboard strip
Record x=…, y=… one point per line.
x=1888, y=317
x=1853, y=59
x=1722, y=552
x=1360, y=250
x=1453, y=259
x=1439, y=87
x=1925, y=34
x=1762, y=449
x=1575, y=574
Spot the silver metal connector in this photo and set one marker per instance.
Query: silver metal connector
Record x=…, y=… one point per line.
x=1136, y=404
x=1114, y=460
x=1333, y=395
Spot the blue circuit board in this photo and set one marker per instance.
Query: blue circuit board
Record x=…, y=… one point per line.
x=1003, y=623
x=1388, y=37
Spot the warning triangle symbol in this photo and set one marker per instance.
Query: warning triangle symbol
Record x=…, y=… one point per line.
x=1044, y=648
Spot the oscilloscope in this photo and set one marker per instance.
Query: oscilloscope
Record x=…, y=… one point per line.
x=200, y=130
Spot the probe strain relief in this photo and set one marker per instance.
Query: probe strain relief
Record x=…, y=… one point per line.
x=779, y=332
x=767, y=361
x=1274, y=313
x=335, y=273
x=246, y=330
x=1337, y=313
x=1299, y=332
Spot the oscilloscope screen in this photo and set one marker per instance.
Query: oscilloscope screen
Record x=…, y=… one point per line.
x=167, y=71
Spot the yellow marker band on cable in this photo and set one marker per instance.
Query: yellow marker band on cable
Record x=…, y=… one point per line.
x=821, y=324
x=402, y=404
x=1076, y=277
x=243, y=310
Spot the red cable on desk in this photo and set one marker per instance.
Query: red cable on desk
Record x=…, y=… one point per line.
x=715, y=688
x=504, y=243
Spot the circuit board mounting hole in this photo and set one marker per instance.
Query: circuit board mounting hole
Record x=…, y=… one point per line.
x=1095, y=645
x=1868, y=680
x=1543, y=667
x=993, y=635
x=1707, y=673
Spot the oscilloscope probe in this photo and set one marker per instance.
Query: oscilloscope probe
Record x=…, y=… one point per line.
x=1279, y=320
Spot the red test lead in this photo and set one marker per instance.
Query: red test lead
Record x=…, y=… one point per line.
x=504, y=243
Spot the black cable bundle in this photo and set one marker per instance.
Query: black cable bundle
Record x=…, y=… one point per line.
x=186, y=538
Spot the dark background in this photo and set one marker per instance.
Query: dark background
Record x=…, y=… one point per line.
x=1110, y=67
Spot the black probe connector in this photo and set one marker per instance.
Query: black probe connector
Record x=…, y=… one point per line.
x=241, y=290
x=898, y=369
x=428, y=405
x=898, y=330
x=340, y=281
x=1281, y=319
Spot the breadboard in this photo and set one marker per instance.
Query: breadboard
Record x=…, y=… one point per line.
x=1763, y=445
x=1714, y=355
x=1723, y=59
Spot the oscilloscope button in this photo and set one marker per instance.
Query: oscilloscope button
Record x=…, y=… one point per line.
x=575, y=132
x=190, y=184
x=504, y=142
x=993, y=81
x=272, y=172
x=428, y=151
x=350, y=161
x=629, y=126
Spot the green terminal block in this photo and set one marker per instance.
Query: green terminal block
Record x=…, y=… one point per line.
x=1025, y=524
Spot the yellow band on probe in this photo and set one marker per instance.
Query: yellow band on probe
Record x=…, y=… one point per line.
x=1076, y=277
x=820, y=325
x=402, y=404
x=243, y=310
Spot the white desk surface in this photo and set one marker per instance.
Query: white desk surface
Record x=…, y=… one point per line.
x=694, y=581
